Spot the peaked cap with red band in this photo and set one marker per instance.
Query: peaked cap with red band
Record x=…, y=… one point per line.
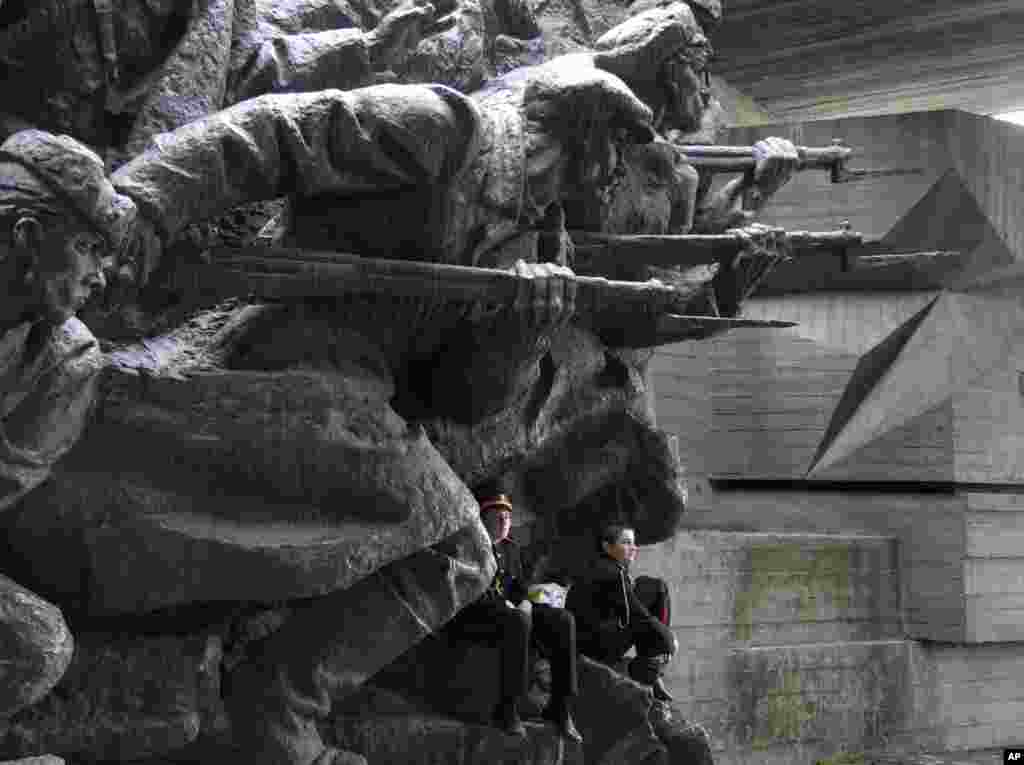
x=497, y=502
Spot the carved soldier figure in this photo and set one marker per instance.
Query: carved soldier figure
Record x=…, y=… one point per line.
x=662, y=53
x=127, y=69
x=660, y=48
x=419, y=172
x=61, y=222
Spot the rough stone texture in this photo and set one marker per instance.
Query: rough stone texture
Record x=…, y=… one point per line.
x=330, y=646
x=592, y=429
x=688, y=743
x=48, y=401
x=455, y=57
x=123, y=698
x=268, y=445
x=288, y=522
x=431, y=740
x=267, y=454
x=197, y=69
x=618, y=718
x=260, y=20
x=35, y=645
x=614, y=715
x=459, y=678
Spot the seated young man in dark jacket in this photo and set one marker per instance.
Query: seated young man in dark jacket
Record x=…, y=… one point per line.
x=613, y=615
x=503, y=616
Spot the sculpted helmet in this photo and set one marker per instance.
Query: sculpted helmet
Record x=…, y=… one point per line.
x=57, y=174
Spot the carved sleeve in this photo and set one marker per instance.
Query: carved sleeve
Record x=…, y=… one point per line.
x=371, y=139
x=337, y=58
x=48, y=420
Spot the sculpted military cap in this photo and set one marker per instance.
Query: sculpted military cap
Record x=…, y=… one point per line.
x=708, y=11
x=74, y=175
x=563, y=92
x=711, y=8
x=638, y=46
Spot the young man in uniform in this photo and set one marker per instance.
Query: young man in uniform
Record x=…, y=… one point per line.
x=505, y=616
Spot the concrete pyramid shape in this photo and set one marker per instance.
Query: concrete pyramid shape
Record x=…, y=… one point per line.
x=869, y=372
x=962, y=336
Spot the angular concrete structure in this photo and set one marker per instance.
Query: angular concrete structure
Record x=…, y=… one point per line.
x=853, y=576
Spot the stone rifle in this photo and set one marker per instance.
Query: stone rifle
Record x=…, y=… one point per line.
x=623, y=313
x=603, y=253
x=739, y=159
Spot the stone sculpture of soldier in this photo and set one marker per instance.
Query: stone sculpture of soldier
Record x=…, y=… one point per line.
x=398, y=141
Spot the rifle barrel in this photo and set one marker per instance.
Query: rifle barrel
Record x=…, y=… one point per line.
x=688, y=250
x=281, y=272
x=623, y=313
x=738, y=159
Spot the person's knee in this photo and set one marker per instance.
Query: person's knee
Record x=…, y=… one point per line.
x=563, y=623
x=514, y=620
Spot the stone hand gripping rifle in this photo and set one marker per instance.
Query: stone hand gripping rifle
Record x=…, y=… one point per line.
x=623, y=313
x=834, y=159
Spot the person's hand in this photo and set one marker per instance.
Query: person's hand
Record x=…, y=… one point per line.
x=775, y=161
x=762, y=248
x=525, y=606
x=546, y=298
x=399, y=32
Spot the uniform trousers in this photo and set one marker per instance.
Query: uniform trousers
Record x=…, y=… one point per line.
x=511, y=630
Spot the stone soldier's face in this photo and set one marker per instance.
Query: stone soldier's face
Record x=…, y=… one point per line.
x=70, y=270
x=685, y=88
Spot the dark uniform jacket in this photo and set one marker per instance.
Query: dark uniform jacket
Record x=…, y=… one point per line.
x=604, y=604
x=512, y=578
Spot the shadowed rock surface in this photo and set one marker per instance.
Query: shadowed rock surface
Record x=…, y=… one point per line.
x=35, y=644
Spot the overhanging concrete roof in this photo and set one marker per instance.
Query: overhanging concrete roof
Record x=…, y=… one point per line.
x=812, y=59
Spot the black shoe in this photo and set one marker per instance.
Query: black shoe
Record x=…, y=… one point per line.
x=558, y=713
x=507, y=719
x=660, y=691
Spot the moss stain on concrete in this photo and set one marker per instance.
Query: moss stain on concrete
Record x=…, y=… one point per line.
x=843, y=758
x=787, y=711
x=789, y=568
